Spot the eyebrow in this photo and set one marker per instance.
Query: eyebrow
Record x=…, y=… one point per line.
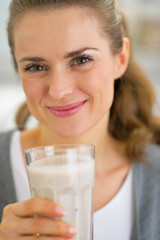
x=68, y=55
x=32, y=59
x=79, y=51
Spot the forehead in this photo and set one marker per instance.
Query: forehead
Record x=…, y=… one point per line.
x=66, y=27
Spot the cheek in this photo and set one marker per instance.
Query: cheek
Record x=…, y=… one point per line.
x=34, y=88
x=100, y=83
x=106, y=91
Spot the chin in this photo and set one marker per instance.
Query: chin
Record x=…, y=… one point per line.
x=70, y=133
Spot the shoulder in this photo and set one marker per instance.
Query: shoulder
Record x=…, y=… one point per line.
x=153, y=155
x=5, y=138
x=147, y=193
x=7, y=188
x=149, y=170
x=7, y=134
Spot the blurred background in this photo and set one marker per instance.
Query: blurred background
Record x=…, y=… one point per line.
x=144, y=23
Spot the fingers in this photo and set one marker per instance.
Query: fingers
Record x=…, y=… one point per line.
x=35, y=238
x=44, y=238
x=44, y=226
x=38, y=206
x=28, y=229
x=18, y=221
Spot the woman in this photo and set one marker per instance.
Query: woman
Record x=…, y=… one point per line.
x=82, y=85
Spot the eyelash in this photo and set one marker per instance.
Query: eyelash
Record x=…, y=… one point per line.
x=73, y=62
x=29, y=67
x=87, y=58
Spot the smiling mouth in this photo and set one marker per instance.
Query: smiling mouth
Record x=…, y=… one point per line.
x=67, y=110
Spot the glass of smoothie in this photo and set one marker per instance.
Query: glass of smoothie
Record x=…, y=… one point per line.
x=65, y=175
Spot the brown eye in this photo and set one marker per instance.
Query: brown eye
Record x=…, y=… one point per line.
x=35, y=68
x=78, y=61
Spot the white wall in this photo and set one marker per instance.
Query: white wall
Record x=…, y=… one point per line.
x=11, y=93
x=7, y=72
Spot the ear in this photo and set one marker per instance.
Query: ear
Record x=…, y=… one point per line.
x=122, y=59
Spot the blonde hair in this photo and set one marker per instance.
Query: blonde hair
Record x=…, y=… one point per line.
x=131, y=118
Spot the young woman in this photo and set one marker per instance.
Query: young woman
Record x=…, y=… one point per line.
x=83, y=86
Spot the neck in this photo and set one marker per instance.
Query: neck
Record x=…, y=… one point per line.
x=96, y=136
x=108, y=152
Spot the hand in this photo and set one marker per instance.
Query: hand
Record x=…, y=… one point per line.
x=18, y=221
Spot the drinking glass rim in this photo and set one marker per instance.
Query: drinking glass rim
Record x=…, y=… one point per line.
x=59, y=147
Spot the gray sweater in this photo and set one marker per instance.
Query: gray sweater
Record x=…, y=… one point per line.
x=146, y=179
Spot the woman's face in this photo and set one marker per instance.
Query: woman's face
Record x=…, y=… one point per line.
x=67, y=70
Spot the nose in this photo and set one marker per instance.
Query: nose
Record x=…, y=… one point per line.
x=60, y=85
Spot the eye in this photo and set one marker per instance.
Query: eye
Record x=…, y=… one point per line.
x=81, y=60
x=35, y=68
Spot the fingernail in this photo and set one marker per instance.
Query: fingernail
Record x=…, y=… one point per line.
x=61, y=211
x=72, y=230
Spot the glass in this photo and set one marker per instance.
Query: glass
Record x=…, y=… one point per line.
x=65, y=175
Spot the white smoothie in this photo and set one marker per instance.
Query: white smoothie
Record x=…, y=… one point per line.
x=70, y=185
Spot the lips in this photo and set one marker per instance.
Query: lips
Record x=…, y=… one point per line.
x=67, y=110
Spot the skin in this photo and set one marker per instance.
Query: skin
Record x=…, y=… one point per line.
x=64, y=79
